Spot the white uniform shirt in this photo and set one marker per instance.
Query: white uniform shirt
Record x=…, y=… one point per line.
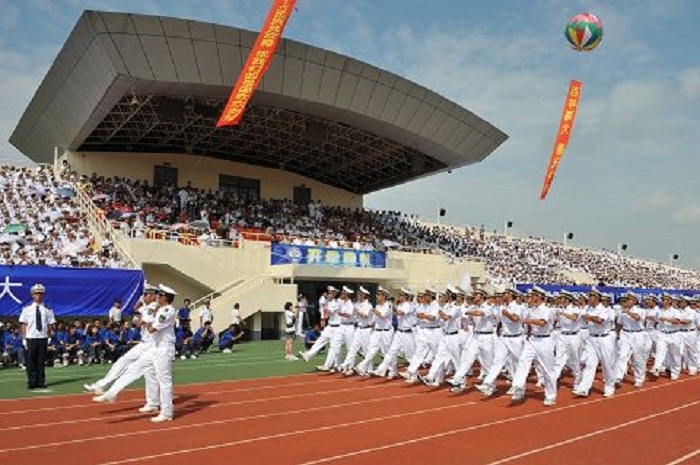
x=148, y=315
x=455, y=313
x=28, y=317
x=606, y=313
x=650, y=324
x=364, y=315
x=333, y=307
x=432, y=310
x=667, y=313
x=206, y=315
x=541, y=313
x=115, y=314
x=512, y=327
x=688, y=314
x=322, y=303
x=347, y=307
x=567, y=325
x=383, y=321
x=583, y=324
x=630, y=324
x=164, y=323
x=408, y=319
x=486, y=323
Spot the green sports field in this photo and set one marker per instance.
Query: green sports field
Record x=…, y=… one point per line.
x=248, y=360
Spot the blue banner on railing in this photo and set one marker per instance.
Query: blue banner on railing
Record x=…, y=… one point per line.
x=70, y=291
x=283, y=254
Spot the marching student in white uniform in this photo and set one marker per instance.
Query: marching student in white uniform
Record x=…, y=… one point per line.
x=158, y=356
x=651, y=311
x=484, y=318
x=346, y=331
x=449, y=348
x=363, y=331
x=332, y=324
x=146, y=314
x=632, y=340
x=380, y=340
x=568, y=347
x=538, y=346
x=509, y=345
x=689, y=335
x=667, y=339
x=427, y=335
x=403, y=341
x=602, y=347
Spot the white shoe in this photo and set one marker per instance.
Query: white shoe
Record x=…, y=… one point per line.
x=193, y=357
x=550, y=402
x=304, y=356
x=322, y=368
x=98, y=390
x=22, y=367
x=518, y=395
x=103, y=399
x=292, y=358
x=511, y=390
x=608, y=394
x=89, y=388
x=486, y=390
x=149, y=409
x=638, y=384
x=226, y=351
x=458, y=387
x=349, y=372
x=160, y=419
x=405, y=374
x=540, y=383
x=579, y=393
x=182, y=357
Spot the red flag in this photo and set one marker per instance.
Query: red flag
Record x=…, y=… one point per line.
x=565, y=127
x=257, y=63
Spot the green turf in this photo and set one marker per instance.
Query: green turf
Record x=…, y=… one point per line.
x=248, y=360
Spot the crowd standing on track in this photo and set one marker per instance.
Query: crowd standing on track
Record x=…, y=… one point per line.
x=443, y=334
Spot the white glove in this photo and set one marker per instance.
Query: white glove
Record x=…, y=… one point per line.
x=24, y=343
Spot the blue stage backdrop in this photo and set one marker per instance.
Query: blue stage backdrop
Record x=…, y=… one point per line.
x=616, y=291
x=283, y=254
x=70, y=291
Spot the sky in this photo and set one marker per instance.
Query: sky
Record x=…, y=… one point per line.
x=631, y=173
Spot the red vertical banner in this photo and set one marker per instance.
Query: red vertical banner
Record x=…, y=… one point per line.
x=566, y=125
x=257, y=63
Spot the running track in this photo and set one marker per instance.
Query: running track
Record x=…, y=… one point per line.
x=328, y=419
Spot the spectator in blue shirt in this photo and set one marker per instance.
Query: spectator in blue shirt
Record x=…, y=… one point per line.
x=229, y=337
x=13, y=349
x=53, y=351
x=93, y=346
x=72, y=349
x=183, y=315
x=111, y=344
x=203, y=338
x=183, y=342
x=311, y=336
x=61, y=337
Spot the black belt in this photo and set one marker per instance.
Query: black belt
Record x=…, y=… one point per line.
x=348, y=324
x=686, y=330
x=599, y=335
x=405, y=330
x=388, y=329
x=364, y=327
x=669, y=332
x=452, y=333
x=569, y=333
x=511, y=335
x=432, y=327
x=540, y=335
x=334, y=326
x=483, y=332
x=632, y=330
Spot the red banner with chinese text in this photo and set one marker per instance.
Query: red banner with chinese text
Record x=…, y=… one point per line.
x=257, y=63
x=565, y=127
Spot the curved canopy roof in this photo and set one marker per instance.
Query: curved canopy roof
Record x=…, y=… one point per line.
x=135, y=83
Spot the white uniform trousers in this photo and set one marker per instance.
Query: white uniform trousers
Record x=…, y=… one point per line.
x=402, y=343
x=568, y=352
x=163, y=355
x=631, y=346
x=540, y=350
x=360, y=340
x=585, y=345
x=449, y=351
x=689, y=355
x=121, y=365
x=426, y=342
x=341, y=336
x=506, y=350
x=136, y=369
x=486, y=346
x=321, y=342
x=379, y=341
x=601, y=350
x=668, y=350
x=649, y=342
x=469, y=354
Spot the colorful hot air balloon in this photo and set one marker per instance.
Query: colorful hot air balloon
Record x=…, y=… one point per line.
x=584, y=32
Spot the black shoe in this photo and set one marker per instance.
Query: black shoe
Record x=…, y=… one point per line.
x=31, y=387
x=41, y=386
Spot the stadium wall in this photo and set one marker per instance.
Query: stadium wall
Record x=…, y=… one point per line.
x=203, y=173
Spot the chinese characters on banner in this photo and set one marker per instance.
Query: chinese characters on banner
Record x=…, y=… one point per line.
x=565, y=127
x=282, y=254
x=257, y=63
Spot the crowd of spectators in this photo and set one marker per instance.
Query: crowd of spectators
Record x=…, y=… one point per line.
x=41, y=224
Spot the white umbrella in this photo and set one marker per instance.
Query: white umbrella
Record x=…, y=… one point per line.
x=199, y=224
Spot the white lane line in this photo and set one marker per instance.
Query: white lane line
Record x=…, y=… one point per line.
x=291, y=433
x=593, y=434
x=89, y=404
x=685, y=457
x=207, y=424
x=186, y=409
x=489, y=424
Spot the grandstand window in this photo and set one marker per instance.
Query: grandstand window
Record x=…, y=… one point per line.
x=164, y=175
x=243, y=188
x=302, y=195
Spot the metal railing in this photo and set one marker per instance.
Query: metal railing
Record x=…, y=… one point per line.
x=240, y=284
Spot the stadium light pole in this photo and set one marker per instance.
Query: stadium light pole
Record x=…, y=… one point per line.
x=672, y=257
x=507, y=224
x=440, y=213
x=621, y=248
x=568, y=236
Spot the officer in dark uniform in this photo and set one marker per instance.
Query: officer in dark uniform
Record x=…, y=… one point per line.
x=37, y=325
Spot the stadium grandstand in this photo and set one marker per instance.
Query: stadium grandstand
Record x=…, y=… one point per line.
x=134, y=174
